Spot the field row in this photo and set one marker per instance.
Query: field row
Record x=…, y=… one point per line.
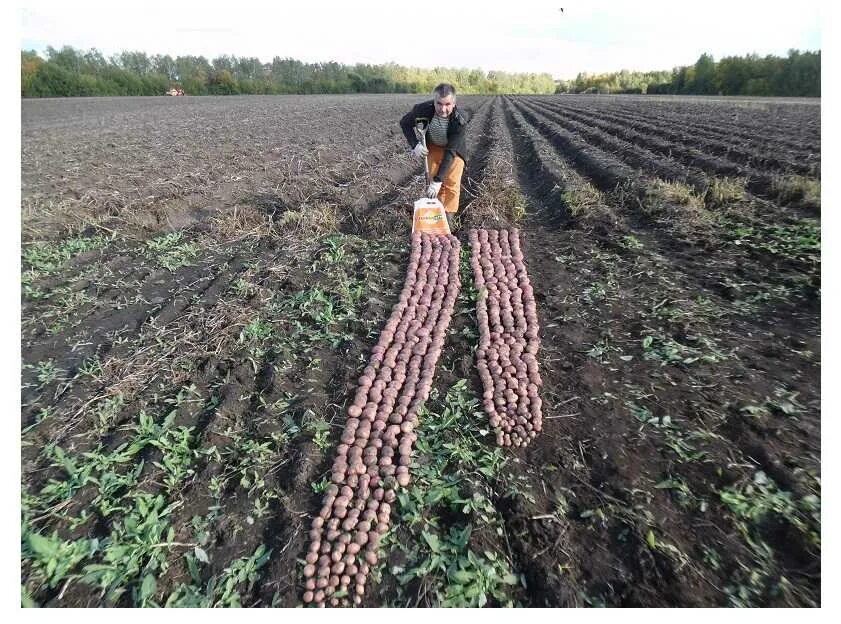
x=196, y=314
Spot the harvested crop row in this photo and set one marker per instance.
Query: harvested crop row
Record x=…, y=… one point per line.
x=508, y=340
x=376, y=445
x=632, y=155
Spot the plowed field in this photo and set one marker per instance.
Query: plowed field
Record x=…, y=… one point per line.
x=204, y=280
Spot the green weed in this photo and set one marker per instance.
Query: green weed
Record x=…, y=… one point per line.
x=319, y=486
x=667, y=350
x=135, y=551
x=683, y=443
x=318, y=427
x=91, y=367
x=107, y=411
x=632, y=242
x=316, y=317
x=453, y=477
x=46, y=372
x=170, y=252
x=243, y=288
x=760, y=499
x=468, y=579
x=224, y=590
x=681, y=493
x=800, y=241
x=783, y=402
x=53, y=558
x=256, y=331
x=43, y=258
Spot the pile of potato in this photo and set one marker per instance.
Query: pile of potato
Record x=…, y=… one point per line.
x=508, y=339
x=375, y=451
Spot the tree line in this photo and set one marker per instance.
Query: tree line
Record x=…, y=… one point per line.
x=797, y=74
x=71, y=72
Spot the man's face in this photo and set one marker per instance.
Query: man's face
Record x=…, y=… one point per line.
x=444, y=105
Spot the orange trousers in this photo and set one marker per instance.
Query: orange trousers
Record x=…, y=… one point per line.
x=451, y=186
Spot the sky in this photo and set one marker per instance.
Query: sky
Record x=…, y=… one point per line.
x=519, y=36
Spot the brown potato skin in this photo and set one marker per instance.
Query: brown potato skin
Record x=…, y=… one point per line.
x=374, y=456
x=508, y=336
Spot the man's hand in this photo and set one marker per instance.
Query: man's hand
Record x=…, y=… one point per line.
x=432, y=190
x=420, y=150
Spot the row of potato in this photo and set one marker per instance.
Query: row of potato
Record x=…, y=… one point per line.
x=374, y=455
x=508, y=336
x=376, y=445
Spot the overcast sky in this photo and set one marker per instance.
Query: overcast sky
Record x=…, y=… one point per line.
x=520, y=35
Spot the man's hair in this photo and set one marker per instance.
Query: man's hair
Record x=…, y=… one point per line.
x=443, y=90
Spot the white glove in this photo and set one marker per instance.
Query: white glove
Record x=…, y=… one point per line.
x=420, y=150
x=432, y=190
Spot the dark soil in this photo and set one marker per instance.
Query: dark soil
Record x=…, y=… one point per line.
x=681, y=363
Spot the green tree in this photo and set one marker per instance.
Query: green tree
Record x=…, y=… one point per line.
x=704, y=83
x=54, y=80
x=165, y=65
x=222, y=82
x=135, y=62
x=30, y=63
x=72, y=72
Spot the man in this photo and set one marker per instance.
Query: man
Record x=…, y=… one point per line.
x=446, y=152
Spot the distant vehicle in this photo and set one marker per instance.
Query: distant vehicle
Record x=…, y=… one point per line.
x=173, y=91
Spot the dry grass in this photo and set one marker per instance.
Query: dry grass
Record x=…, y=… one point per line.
x=245, y=220
x=317, y=220
x=676, y=201
x=798, y=189
x=583, y=200
x=498, y=203
x=48, y=219
x=724, y=191
x=675, y=193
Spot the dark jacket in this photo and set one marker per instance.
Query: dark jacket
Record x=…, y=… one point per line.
x=455, y=133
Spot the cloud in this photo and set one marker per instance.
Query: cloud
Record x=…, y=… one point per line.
x=528, y=35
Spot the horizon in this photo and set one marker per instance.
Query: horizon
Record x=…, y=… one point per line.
x=43, y=54
x=533, y=37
